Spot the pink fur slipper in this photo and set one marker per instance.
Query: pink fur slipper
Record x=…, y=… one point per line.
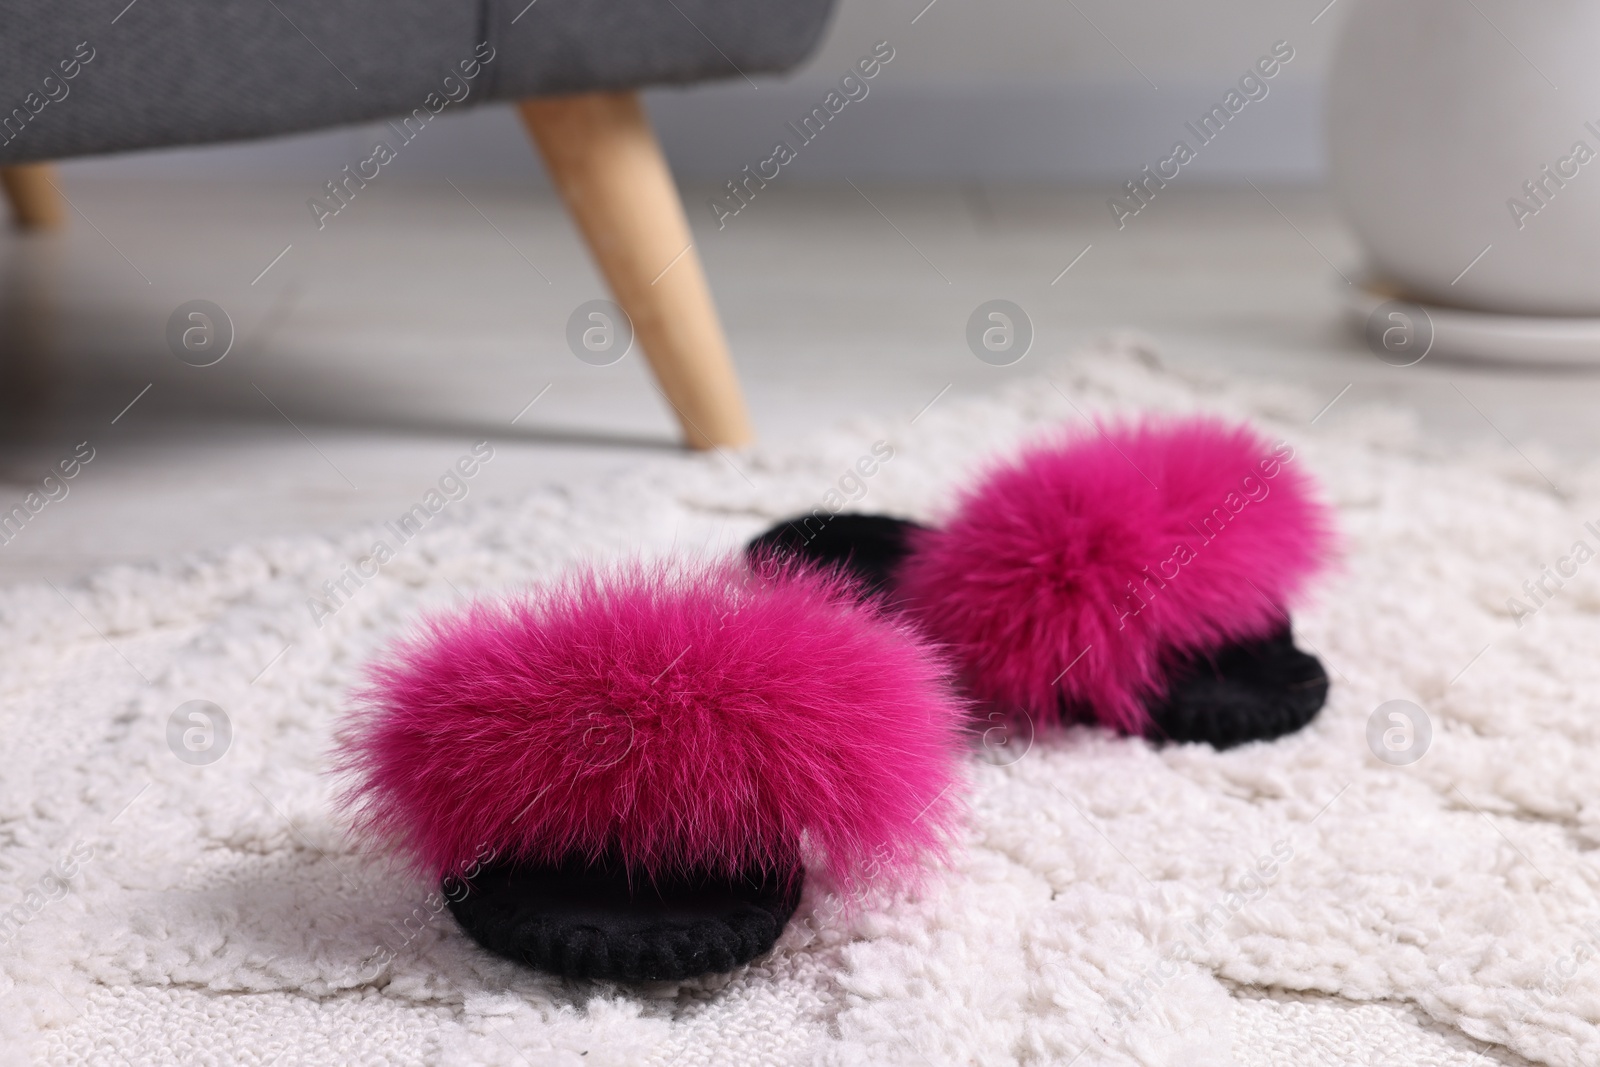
x=1139, y=574
x=623, y=775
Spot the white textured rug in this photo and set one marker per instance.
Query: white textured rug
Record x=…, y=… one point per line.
x=1437, y=913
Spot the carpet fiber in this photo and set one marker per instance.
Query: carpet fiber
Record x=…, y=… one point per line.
x=1296, y=902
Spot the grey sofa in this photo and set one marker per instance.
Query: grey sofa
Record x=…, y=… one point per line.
x=81, y=78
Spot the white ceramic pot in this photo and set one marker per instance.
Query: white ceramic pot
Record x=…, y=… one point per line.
x=1442, y=122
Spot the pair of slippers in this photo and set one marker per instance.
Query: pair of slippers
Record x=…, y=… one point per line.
x=628, y=774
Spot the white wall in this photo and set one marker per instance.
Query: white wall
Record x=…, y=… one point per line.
x=1052, y=42
x=1000, y=90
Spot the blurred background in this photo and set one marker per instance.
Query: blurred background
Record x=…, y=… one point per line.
x=1039, y=91
x=981, y=165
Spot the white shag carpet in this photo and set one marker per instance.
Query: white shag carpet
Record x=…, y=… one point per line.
x=1439, y=913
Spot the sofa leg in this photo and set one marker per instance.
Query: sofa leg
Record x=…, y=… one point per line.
x=35, y=204
x=604, y=158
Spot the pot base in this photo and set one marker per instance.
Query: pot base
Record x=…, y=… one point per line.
x=1401, y=332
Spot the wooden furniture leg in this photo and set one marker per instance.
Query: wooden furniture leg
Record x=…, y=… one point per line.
x=35, y=204
x=603, y=157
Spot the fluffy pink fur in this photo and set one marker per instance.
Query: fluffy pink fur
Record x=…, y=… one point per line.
x=688, y=717
x=1071, y=551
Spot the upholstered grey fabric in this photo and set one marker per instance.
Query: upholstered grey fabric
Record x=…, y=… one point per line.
x=80, y=77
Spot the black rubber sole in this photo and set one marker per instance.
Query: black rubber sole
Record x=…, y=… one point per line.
x=1245, y=691
x=583, y=920
x=867, y=547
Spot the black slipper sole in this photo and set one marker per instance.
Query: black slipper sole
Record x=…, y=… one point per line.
x=1244, y=691
x=867, y=547
x=583, y=920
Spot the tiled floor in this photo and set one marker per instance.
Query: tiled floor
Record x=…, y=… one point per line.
x=373, y=351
